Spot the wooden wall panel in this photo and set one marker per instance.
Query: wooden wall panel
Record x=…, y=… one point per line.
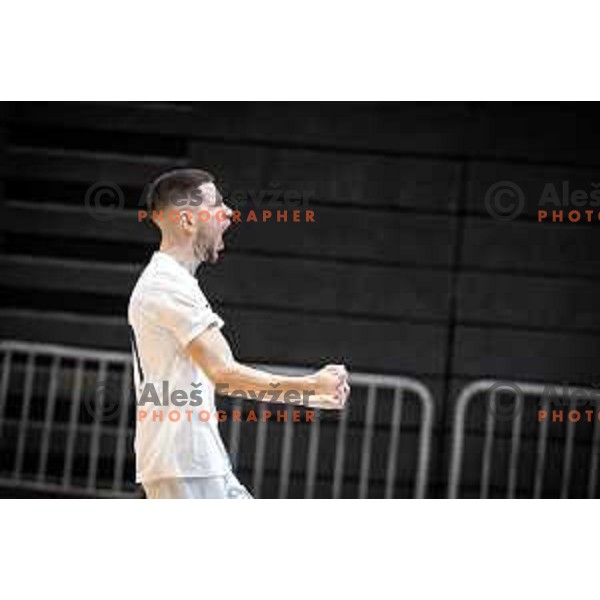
x=280, y=283
x=510, y=355
x=529, y=301
x=537, y=248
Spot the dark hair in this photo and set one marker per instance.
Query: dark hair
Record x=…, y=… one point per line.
x=173, y=184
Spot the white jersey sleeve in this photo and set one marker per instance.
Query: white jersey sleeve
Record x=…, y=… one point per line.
x=184, y=311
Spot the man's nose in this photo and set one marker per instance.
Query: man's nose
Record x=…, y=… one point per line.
x=228, y=211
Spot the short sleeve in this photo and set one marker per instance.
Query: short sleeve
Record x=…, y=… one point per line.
x=185, y=312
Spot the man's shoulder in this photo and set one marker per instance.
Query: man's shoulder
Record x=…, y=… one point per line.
x=157, y=277
x=157, y=284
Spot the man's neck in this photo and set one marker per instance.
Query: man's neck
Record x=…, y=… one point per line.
x=184, y=256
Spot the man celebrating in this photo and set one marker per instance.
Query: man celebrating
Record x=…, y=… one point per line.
x=176, y=338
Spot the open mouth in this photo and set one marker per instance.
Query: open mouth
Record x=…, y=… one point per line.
x=221, y=243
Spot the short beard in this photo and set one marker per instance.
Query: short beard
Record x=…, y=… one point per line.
x=206, y=253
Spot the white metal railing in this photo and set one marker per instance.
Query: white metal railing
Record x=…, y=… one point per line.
x=50, y=444
x=67, y=378
x=372, y=383
x=524, y=393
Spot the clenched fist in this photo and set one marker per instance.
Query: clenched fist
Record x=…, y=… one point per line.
x=331, y=388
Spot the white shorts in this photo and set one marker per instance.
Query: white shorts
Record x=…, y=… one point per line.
x=202, y=488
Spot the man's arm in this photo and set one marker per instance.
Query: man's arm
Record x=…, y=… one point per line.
x=327, y=388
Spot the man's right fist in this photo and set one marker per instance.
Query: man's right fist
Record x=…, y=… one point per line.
x=332, y=383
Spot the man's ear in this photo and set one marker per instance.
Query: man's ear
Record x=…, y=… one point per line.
x=186, y=220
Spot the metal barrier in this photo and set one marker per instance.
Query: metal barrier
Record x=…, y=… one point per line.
x=51, y=443
x=333, y=479
x=564, y=440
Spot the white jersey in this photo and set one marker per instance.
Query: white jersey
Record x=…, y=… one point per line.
x=167, y=310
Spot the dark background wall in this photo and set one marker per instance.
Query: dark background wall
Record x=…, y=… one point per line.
x=404, y=271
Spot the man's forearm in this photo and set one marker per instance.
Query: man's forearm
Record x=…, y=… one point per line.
x=327, y=388
x=237, y=377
